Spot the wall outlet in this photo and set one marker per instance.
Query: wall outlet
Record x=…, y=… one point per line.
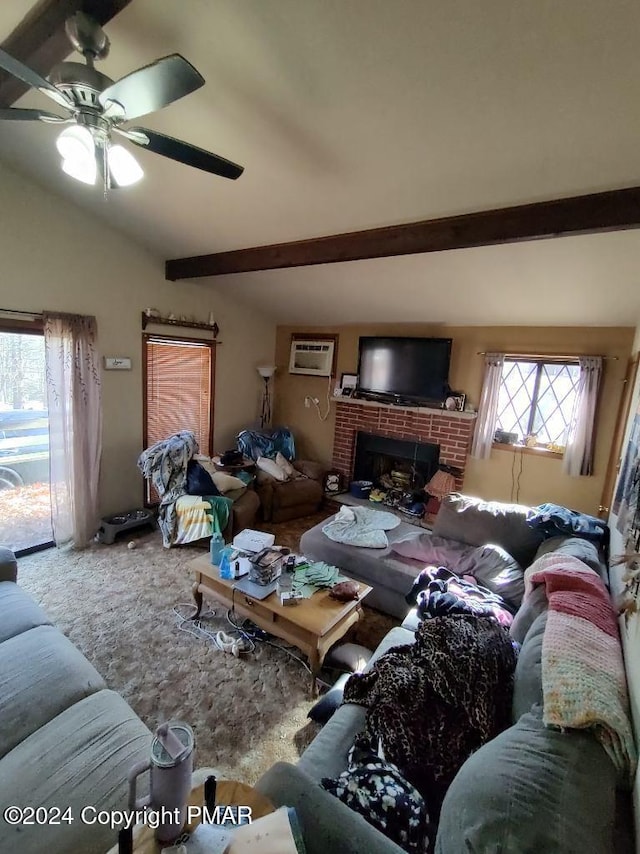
x=307, y=401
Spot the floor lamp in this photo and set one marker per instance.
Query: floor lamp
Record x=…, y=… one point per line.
x=266, y=372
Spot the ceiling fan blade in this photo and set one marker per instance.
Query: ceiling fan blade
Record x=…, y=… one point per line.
x=191, y=155
x=155, y=86
x=16, y=114
x=32, y=78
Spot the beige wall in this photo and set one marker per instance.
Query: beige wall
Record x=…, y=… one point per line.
x=57, y=257
x=540, y=479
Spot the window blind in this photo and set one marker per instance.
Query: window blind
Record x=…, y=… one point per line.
x=178, y=387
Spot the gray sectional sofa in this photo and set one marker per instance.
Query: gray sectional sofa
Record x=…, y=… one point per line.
x=66, y=740
x=532, y=789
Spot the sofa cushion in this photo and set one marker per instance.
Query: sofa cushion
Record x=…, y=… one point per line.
x=584, y=550
x=527, y=681
x=80, y=758
x=19, y=612
x=428, y=550
x=327, y=755
x=529, y=790
x=494, y=568
x=41, y=674
x=477, y=522
x=535, y=603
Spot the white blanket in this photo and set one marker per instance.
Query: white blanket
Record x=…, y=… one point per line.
x=361, y=526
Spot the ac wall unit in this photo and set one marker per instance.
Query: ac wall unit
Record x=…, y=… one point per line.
x=311, y=357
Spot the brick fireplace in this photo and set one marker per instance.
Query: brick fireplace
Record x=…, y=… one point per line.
x=451, y=431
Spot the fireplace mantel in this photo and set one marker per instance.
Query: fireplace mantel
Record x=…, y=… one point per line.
x=451, y=430
x=354, y=401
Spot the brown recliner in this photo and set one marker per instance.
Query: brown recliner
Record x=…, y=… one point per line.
x=282, y=501
x=243, y=514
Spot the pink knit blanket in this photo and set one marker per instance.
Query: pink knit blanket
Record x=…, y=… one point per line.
x=583, y=677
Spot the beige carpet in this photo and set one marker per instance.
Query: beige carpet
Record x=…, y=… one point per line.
x=116, y=605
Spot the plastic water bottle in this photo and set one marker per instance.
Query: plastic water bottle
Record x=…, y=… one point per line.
x=216, y=547
x=225, y=563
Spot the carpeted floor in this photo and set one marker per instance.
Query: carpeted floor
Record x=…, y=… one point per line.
x=117, y=605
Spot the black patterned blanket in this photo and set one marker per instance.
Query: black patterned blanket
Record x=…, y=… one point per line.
x=433, y=703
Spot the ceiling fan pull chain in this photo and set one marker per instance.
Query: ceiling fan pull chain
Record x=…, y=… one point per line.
x=105, y=169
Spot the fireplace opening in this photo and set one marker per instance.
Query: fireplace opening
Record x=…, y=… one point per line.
x=399, y=469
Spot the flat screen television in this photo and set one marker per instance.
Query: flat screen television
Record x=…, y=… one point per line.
x=411, y=369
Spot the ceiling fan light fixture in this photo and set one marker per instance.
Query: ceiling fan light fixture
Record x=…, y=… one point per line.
x=123, y=166
x=78, y=151
x=84, y=171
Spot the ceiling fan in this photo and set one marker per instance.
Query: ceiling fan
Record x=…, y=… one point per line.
x=98, y=107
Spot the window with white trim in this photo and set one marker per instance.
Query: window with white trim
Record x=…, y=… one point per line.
x=536, y=402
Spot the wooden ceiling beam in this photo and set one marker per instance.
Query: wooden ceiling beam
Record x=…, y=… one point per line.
x=613, y=210
x=40, y=40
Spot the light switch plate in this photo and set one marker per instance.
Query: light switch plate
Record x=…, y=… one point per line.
x=117, y=363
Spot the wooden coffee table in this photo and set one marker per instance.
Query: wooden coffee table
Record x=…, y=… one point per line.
x=313, y=625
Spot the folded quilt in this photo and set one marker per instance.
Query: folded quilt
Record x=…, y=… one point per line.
x=361, y=526
x=583, y=677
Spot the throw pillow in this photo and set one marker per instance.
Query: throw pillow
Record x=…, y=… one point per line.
x=206, y=463
x=348, y=656
x=377, y=790
x=199, y=480
x=286, y=466
x=531, y=789
x=476, y=522
x=272, y=468
x=329, y=702
x=226, y=482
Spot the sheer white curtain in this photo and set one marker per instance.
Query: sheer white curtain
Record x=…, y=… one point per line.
x=75, y=425
x=578, y=455
x=488, y=408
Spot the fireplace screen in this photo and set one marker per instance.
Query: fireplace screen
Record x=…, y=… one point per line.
x=398, y=468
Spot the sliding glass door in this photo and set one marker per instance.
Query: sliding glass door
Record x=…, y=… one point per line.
x=25, y=500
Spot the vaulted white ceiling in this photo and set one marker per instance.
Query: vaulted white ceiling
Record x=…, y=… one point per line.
x=352, y=114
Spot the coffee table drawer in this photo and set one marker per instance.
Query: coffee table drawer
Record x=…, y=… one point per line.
x=249, y=607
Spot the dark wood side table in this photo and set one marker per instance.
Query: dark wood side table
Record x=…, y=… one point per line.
x=247, y=464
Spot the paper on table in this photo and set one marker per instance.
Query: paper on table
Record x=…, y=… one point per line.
x=271, y=834
x=210, y=839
